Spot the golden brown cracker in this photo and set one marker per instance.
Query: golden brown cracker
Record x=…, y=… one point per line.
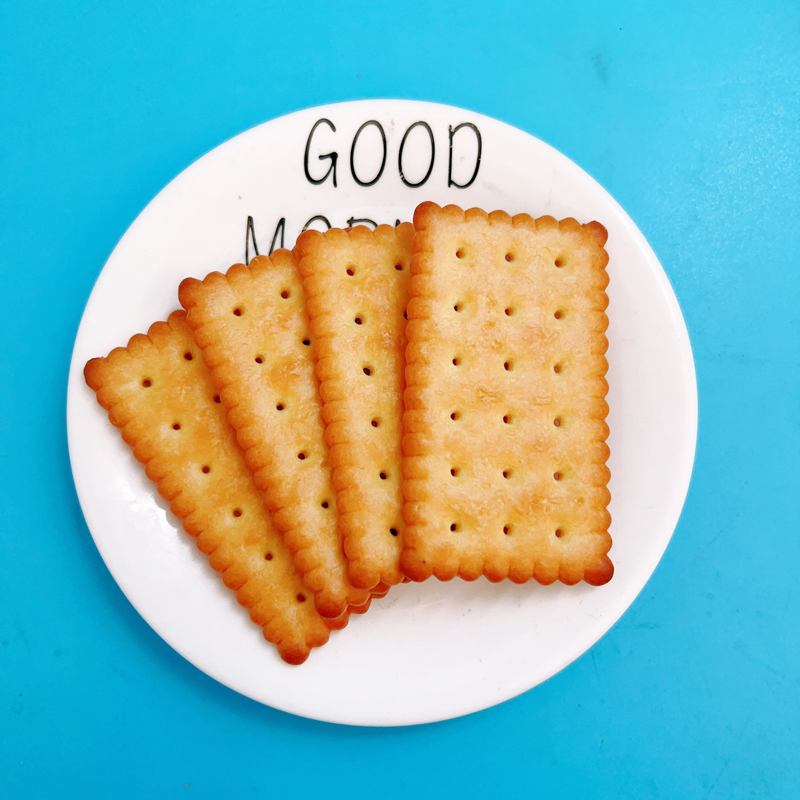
x=356, y=285
x=504, y=430
x=253, y=329
x=160, y=395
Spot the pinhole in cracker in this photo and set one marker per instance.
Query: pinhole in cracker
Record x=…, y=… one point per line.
x=252, y=327
x=356, y=284
x=160, y=395
x=504, y=427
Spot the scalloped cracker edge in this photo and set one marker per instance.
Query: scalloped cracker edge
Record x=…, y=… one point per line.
x=504, y=429
x=160, y=395
x=356, y=286
x=252, y=327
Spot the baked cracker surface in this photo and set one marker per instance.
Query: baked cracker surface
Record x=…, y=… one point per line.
x=356, y=286
x=160, y=395
x=504, y=429
x=253, y=329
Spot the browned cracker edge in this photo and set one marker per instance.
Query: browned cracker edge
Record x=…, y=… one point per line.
x=187, y=293
x=232, y=577
x=414, y=567
x=361, y=571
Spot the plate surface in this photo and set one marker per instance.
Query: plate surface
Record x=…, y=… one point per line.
x=428, y=651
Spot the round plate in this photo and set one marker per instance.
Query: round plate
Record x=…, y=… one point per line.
x=428, y=651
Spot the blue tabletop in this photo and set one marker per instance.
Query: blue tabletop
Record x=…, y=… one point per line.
x=689, y=115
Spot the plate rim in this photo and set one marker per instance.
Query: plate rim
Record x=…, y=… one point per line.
x=617, y=606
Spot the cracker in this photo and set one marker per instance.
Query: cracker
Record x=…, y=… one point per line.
x=252, y=327
x=160, y=395
x=356, y=285
x=504, y=430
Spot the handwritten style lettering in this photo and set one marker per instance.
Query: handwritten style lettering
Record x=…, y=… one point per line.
x=453, y=132
x=400, y=156
x=332, y=156
x=365, y=181
x=353, y=154
x=314, y=219
x=281, y=226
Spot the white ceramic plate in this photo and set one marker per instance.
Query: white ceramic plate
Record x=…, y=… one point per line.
x=428, y=651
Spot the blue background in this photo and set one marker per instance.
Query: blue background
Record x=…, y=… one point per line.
x=688, y=114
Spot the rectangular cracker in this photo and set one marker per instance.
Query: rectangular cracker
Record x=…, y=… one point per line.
x=253, y=329
x=160, y=395
x=504, y=430
x=356, y=285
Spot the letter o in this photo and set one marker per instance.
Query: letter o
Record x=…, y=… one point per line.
x=353, y=154
x=400, y=156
